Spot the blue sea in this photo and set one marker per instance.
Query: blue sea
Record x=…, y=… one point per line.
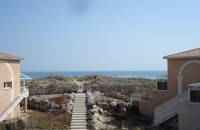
x=121, y=74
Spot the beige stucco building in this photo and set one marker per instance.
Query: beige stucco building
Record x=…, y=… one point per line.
x=11, y=92
x=173, y=97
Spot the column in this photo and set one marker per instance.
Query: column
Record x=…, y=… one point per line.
x=25, y=105
x=180, y=85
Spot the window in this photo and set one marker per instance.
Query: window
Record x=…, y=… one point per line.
x=8, y=85
x=162, y=85
x=195, y=96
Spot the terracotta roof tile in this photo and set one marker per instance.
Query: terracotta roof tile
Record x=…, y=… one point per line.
x=195, y=53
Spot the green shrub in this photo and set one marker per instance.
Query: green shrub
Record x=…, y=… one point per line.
x=42, y=126
x=20, y=124
x=8, y=126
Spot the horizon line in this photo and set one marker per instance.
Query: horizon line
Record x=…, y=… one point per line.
x=88, y=70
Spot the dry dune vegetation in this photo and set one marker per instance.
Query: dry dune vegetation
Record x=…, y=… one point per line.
x=107, y=85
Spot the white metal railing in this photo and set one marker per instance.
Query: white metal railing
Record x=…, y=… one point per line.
x=14, y=103
x=167, y=110
x=10, y=108
x=25, y=92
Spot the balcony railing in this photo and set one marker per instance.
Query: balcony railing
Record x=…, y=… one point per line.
x=24, y=91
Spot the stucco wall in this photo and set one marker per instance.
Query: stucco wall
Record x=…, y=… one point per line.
x=8, y=95
x=191, y=74
x=189, y=116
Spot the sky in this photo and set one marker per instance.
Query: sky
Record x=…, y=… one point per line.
x=91, y=35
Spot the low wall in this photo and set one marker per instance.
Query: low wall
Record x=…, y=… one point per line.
x=146, y=108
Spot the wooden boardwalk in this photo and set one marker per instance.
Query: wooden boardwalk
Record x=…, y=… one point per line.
x=79, y=114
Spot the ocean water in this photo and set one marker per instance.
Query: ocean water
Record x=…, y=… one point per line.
x=122, y=74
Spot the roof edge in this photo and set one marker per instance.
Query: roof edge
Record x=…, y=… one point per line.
x=10, y=57
x=184, y=57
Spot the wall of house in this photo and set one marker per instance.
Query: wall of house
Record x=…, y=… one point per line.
x=191, y=74
x=7, y=95
x=189, y=116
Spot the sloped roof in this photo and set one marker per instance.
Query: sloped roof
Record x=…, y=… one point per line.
x=195, y=53
x=4, y=56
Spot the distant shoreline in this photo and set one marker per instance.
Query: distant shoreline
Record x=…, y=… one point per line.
x=118, y=74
